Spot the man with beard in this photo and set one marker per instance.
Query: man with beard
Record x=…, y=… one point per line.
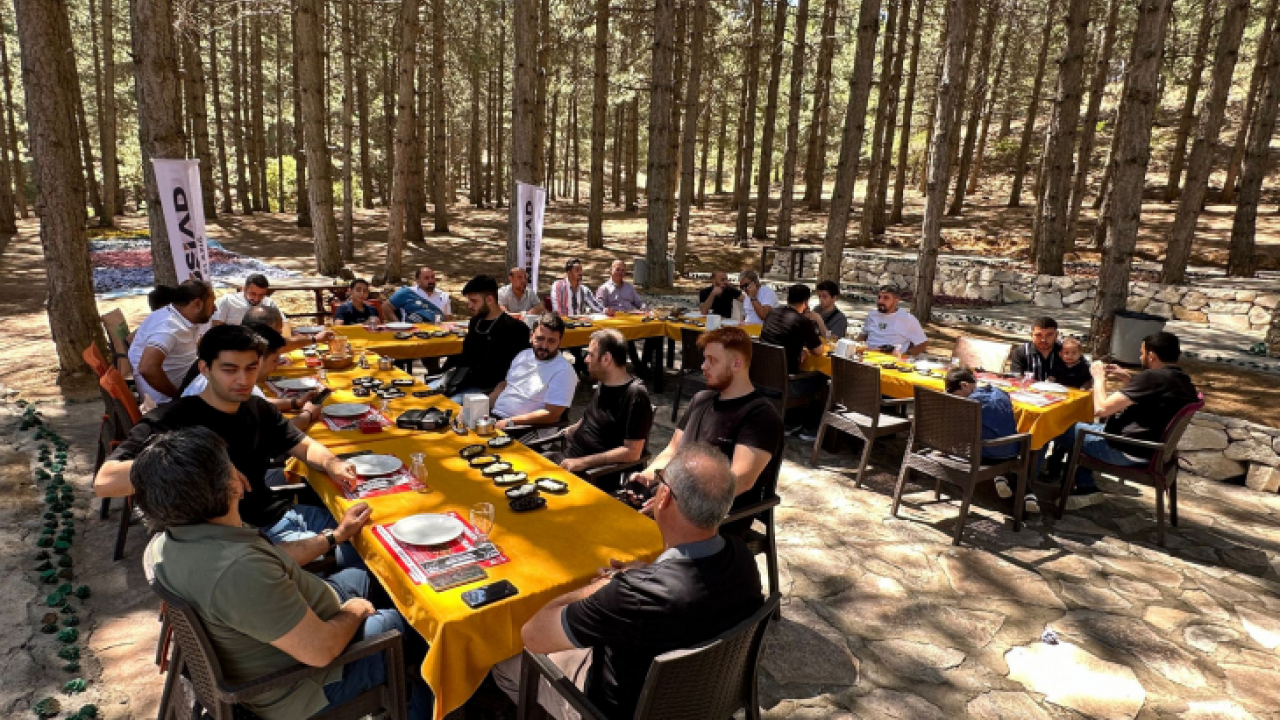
x=493, y=341
x=231, y=308
x=1042, y=357
x=730, y=415
x=517, y=297
x=1141, y=410
x=888, y=329
x=717, y=298
x=419, y=303
x=539, y=387
x=164, y=347
x=569, y=296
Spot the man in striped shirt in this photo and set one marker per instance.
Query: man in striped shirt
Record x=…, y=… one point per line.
x=569, y=296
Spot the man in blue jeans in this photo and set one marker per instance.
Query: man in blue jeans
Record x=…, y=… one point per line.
x=998, y=421
x=262, y=611
x=1142, y=409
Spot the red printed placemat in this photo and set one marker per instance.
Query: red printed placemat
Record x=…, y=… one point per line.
x=397, y=482
x=410, y=557
x=339, y=424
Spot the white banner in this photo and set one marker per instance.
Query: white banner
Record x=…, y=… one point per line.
x=178, y=182
x=531, y=201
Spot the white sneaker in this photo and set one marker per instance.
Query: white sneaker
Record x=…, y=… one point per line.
x=1002, y=489
x=1032, y=504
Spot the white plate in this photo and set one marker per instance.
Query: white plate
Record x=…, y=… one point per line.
x=427, y=529
x=400, y=326
x=309, y=330
x=929, y=365
x=693, y=314
x=728, y=322
x=303, y=383
x=598, y=316
x=374, y=465
x=346, y=410
x=1049, y=387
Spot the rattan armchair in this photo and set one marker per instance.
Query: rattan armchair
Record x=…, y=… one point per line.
x=854, y=405
x=690, y=375
x=769, y=374
x=713, y=679
x=946, y=444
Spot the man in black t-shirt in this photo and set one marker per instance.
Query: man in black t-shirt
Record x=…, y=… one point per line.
x=794, y=327
x=615, y=427
x=254, y=431
x=732, y=416
x=493, y=340
x=1142, y=409
x=717, y=298
x=606, y=634
x=1040, y=357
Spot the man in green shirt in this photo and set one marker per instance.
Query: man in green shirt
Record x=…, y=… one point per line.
x=262, y=611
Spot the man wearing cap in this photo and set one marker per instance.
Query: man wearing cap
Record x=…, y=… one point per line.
x=889, y=329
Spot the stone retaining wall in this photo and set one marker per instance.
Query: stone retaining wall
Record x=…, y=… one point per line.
x=1222, y=308
x=1221, y=448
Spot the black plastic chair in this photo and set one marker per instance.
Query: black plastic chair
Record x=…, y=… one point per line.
x=690, y=375
x=769, y=374
x=854, y=405
x=713, y=679
x=761, y=508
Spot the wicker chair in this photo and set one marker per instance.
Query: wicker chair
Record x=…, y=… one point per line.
x=123, y=413
x=109, y=434
x=714, y=679
x=946, y=444
x=977, y=354
x=854, y=407
x=742, y=520
x=1161, y=473
x=769, y=374
x=690, y=375
x=193, y=656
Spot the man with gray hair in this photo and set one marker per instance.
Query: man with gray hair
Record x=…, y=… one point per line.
x=757, y=300
x=605, y=635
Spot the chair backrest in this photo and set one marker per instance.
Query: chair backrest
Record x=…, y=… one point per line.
x=769, y=371
x=711, y=680
x=690, y=353
x=198, y=656
x=118, y=336
x=949, y=424
x=1173, y=432
x=93, y=358
x=977, y=354
x=855, y=386
x=114, y=385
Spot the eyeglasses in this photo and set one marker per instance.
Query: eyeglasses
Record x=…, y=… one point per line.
x=662, y=480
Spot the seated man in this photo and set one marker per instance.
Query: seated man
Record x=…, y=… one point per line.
x=493, y=341
x=1073, y=371
x=1141, y=409
x=356, y=310
x=254, y=431
x=717, y=298
x=757, y=300
x=606, y=634
x=569, y=296
x=1041, y=357
x=164, y=346
x=263, y=612
x=889, y=329
x=231, y=308
x=615, y=426
x=517, y=297
x=270, y=361
x=834, y=321
x=794, y=327
x=419, y=303
x=618, y=295
x=274, y=319
x=997, y=422
x=539, y=387
x=731, y=415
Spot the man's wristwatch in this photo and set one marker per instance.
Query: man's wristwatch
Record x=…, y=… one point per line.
x=331, y=537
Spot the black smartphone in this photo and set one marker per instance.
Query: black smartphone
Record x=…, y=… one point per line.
x=491, y=593
x=322, y=396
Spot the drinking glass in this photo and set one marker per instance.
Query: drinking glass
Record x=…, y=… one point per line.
x=418, y=467
x=1027, y=379
x=482, y=521
x=384, y=407
x=322, y=375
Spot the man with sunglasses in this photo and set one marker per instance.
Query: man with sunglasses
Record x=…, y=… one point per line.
x=757, y=300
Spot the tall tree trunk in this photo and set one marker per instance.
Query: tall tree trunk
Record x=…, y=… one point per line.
x=237, y=105
x=792, y=141
x=922, y=169
x=599, y=108
x=403, y=157
x=500, y=168
x=761, y=228
x=362, y=109
x=107, y=118
x=524, y=109
x=855, y=126
x=86, y=151
x=8, y=217
x=1187, y=118
x=279, y=116
x=299, y=158
x=1242, y=260
x=19, y=169
x=977, y=98
x=706, y=153
x=939, y=157
x=742, y=183
x=220, y=134
x=880, y=197
x=553, y=124
x=633, y=158
x=542, y=34
x=48, y=74
x=155, y=60
x=720, y=142
x=692, y=100
x=1089, y=125
x=389, y=84
x=1212, y=111
x=908, y=109
x=619, y=119
x=348, y=118
x=660, y=165
x=324, y=229
x=878, y=132
x=1033, y=105
x=1056, y=196
x=1133, y=152
x=819, y=122
x=576, y=134
x=677, y=106
x=990, y=108
x=1251, y=104
x=263, y=194
x=198, y=109
x=475, y=192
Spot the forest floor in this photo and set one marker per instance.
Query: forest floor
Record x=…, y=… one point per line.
x=829, y=574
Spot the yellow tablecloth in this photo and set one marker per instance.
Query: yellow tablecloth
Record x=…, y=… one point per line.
x=673, y=328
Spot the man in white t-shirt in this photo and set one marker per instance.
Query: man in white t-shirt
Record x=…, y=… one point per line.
x=164, y=347
x=231, y=308
x=757, y=300
x=538, y=389
x=889, y=329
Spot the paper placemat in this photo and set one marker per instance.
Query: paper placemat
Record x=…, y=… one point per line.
x=411, y=557
x=339, y=424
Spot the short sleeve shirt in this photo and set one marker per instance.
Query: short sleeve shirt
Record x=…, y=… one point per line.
x=488, y=349
x=751, y=420
x=792, y=331
x=997, y=420
x=765, y=296
x=723, y=304
x=175, y=336
x=413, y=307
x=1157, y=396
x=349, y=315
x=512, y=304
x=617, y=413
x=533, y=384
x=248, y=594
x=436, y=297
x=230, y=308
x=837, y=323
x=892, y=329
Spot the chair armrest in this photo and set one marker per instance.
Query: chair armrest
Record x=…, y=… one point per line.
x=804, y=375
x=541, y=442
x=752, y=510
x=1007, y=439
x=1148, y=444
x=601, y=470
x=291, y=675
x=292, y=487
x=536, y=667
x=897, y=401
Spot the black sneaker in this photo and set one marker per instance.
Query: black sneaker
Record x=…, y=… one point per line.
x=1083, y=497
